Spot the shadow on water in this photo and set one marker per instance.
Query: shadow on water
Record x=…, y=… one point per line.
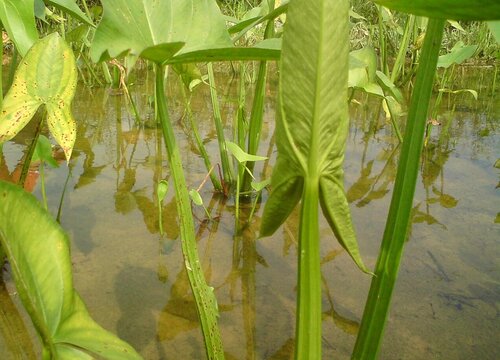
x=134, y=282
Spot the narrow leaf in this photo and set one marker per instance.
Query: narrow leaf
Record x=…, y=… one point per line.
x=447, y=9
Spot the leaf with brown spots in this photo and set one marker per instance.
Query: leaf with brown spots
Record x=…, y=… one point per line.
x=46, y=76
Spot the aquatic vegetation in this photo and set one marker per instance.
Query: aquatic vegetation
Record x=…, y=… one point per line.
x=318, y=77
x=45, y=285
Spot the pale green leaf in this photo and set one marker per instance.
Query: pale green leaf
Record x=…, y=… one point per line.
x=260, y=185
x=457, y=55
x=46, y=76
x=240, y=155
x=44, y=283
x=161, y=190
x=494, y=27
x=196, y=197
x=447, y=9
x=43, y=151
x=133, y=26
x=18, y=19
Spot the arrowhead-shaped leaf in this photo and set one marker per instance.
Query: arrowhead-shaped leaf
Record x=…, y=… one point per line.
x=39, y=258
x=133, y=26
x=313, y=126
x=447, y=9
x=46, y=76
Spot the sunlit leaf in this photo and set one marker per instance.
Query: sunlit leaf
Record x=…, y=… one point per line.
x=161, y=190
x=46, y=76
x=313, y=126
x=133, y=26
x=44, y=283
x=240, y=155
x=18, y=19
x=494, y=27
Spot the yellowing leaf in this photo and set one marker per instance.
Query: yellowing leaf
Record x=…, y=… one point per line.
x=46, y=76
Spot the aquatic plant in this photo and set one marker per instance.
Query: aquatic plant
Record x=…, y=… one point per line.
x=45, y=285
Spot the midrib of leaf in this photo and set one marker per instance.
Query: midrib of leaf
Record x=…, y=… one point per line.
x=313, y=164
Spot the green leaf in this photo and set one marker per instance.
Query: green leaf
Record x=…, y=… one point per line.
x=46, y=76
x=268, y=49
x=494, y=27
x=133, y=26
x=43, y=151
x=447, y=9
x=44, y=283
x=258, y=186
x=161, y=190
x=196, y=197
x=70, y=7
x=457, y=55
x=240, y=155
x=312, y=130
x=18, y=19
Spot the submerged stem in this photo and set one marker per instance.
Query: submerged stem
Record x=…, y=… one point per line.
x=204, y=297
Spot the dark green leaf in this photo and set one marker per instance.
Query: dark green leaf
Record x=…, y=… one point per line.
x=447, y=9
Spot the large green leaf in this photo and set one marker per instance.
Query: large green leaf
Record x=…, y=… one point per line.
x=18, y=19
x=312, y=128
x=457, y=55
x=46, y=76
x=447, y=9
x=311, y=132
x=38, y=252
x=133, y=26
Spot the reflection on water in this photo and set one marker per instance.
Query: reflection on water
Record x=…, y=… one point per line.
x=446, y=303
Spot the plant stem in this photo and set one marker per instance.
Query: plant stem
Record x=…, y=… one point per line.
x=308, y=327
x=205, y=299
x=29, y=154
x=377, y=306
x=226, y=169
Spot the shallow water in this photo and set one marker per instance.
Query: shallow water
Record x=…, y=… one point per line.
x=446, y=302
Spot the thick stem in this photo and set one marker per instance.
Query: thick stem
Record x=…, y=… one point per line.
x=204, y=296
x=308, y=327
x=377, y=306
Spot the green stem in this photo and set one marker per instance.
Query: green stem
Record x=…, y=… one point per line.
x=205, y=299
x=44, y=193
x=226, y=169
x=308, y=327
x=199, y=142
x=386, y=272
x=400, y=59
x=29, y=154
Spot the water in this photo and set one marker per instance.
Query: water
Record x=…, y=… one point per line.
x=447, y=298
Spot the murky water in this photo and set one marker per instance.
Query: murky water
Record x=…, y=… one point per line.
x=446, y=302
